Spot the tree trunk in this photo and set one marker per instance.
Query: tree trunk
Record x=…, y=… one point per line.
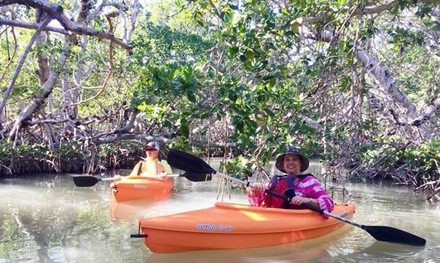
x=36, y=103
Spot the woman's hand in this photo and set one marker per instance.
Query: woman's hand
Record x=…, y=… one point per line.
x=117, y=177
x=299, y=200
x=163, y=175
x=256, y=189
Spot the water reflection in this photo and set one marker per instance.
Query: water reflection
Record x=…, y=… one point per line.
x=50, y=220
x=298, y=252
x=133, y=210
x=315, y=250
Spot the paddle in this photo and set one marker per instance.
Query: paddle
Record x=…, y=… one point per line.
x=187, y=162
x=86, y=181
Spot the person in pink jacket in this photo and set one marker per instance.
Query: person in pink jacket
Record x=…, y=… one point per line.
x=304, y=189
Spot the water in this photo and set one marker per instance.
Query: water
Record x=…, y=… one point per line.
x=49, y=219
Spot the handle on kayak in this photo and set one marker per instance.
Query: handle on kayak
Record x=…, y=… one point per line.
x=138, y=235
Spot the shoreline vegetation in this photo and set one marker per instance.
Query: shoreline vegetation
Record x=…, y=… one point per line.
x=71, y=158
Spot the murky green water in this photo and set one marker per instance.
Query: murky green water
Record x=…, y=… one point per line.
x=51, y=220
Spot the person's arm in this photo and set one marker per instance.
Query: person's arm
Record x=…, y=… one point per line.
x=306, y=201
x=313, y=194
x=134, y=173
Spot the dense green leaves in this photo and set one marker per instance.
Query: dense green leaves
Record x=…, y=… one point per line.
x=249, y=77
x=263, y=77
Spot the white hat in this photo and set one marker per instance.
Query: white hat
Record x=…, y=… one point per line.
x=152, y=146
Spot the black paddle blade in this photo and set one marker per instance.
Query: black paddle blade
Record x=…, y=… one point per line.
x=194, y=177
x=390, y=234
x=188, y=162
x=85, y=181
x=380, y=233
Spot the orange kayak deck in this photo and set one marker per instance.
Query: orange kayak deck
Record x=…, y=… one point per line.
x=237, y=226
x=141, y=187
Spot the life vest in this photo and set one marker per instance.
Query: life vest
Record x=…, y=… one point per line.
x=148, y=167
x=287, y=187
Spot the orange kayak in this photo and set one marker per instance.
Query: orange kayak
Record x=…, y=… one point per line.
x=141, y=187
x=236, y=226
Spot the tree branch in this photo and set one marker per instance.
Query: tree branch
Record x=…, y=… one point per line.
x=75, y=29
x=55, y=11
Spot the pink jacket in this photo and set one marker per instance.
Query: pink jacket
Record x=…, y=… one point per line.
x=305, y=186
